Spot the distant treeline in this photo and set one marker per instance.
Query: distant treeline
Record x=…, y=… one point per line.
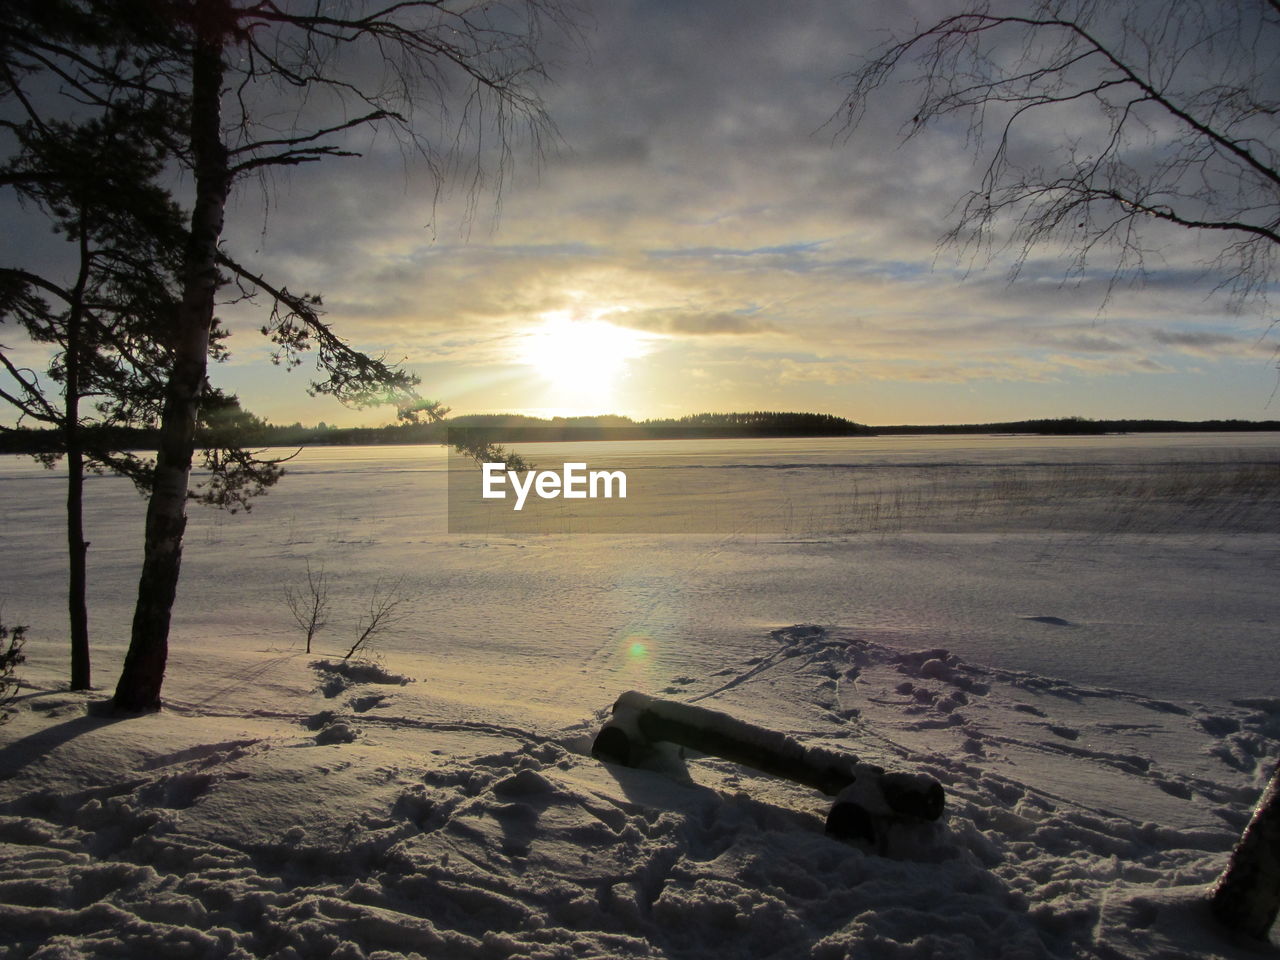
x=1083, y=425
x=514, y=428
x=517, y=428
x=501, y=428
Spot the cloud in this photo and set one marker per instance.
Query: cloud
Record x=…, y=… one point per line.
x=1202, y=342
x=1085, y=343
x=695, y=324
x=701, y=195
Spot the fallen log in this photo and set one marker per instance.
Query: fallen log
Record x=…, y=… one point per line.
x=867, y=797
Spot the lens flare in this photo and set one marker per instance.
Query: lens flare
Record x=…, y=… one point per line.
x=634, y=663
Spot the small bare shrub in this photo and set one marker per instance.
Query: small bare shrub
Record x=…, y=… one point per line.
x=310, y=604
x=386, y=604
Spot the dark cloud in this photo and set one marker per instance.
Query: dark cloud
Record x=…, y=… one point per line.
x=1198, y=339
x=781, y=250
x=1085, y=343
x=611, y=152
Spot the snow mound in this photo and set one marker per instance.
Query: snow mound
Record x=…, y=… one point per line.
x=336, y=676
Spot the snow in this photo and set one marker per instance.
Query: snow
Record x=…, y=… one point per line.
x=1089, y=676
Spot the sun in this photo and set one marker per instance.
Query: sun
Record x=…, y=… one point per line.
x=581, y=355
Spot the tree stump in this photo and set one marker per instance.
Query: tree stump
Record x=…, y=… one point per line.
x=1247, y=895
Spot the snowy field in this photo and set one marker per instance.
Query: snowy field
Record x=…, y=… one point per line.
x=1075, y=636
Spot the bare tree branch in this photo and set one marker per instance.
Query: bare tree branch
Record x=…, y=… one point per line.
x=1183, y=129
x=354, y=377
x=32, y=402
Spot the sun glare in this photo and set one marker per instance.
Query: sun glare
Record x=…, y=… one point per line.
x=581, y=356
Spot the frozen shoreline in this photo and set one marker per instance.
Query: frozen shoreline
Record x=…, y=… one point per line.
x=271, y=812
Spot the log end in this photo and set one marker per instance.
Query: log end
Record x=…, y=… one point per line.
x=913, y=795
x=612, y=745
x=851, y=821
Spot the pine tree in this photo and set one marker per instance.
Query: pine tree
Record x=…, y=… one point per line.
x=106, y=327
x=478, y=62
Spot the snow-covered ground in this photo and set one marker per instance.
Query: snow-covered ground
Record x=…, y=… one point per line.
x=1076, y=637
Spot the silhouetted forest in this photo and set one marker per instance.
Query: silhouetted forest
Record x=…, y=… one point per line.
x=1068, y=426
x=517, y=428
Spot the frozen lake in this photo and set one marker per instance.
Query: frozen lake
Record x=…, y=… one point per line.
x=1104, y=719
x=1131, y=561
x=956, y=542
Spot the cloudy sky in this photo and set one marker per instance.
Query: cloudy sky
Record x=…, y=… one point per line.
x=703, y=238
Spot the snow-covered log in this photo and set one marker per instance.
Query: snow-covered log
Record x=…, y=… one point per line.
x=1247, y=895
x=865, y=793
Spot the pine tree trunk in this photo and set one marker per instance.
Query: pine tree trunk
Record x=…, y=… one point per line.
x=143, y=674
x=77, y=549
